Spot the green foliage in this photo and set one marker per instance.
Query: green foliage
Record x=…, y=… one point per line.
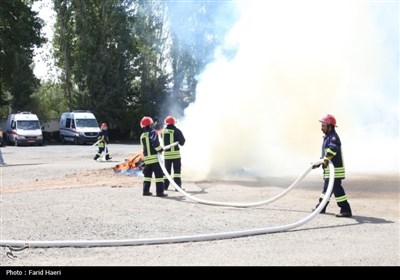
x=152, y=80
x=19, y=34
x=121, y=59
x=196, y=32
x=48, y=101
x=94, y=48
x=110, y=55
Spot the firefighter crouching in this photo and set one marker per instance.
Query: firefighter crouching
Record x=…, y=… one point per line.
x=102, y=141
x=151, y=146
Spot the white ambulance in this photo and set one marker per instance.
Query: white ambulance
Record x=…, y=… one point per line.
x=78, y=127
x=24, y=128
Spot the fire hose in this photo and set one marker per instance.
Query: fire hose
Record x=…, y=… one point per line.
x=176, y=239
x=233, y=204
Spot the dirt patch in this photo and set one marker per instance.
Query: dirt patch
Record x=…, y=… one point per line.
x=93, y=178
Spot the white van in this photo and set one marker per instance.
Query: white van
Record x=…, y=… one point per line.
x=24, y=128
x=78, y=127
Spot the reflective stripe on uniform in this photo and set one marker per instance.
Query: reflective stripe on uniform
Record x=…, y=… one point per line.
x=177, y=175
x=328, y=151
x=172, y=155
x=341, y=198
x=339, y=173
x=147, y=179
x=173, y=152
x=101, y=142
x=159, y=180
x=149, y=158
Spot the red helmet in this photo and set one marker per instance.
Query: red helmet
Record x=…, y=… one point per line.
x=328, y=119
x=170, y=120
x=103, y=125
x=146, y=121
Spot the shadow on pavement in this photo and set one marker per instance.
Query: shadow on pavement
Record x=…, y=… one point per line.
x=370, y=220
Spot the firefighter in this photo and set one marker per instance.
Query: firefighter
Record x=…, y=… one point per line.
x=102, y=142
x=171, y=134
x=331, y=151
x=151, y=146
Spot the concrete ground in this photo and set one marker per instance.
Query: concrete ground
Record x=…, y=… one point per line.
x=58, y=192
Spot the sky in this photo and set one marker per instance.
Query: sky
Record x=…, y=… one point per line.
x=44, y=64
x=257, y=113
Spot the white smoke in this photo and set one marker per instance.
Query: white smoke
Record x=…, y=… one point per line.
x=295, y=61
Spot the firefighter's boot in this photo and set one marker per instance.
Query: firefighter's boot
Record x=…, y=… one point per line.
x=323, y=209
x=146, y=189
x=160, y=189
x=345, y=210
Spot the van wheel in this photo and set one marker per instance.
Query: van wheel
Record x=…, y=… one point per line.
x=76, y=140
x=62, y=140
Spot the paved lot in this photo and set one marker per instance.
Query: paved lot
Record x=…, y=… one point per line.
x=59, y=193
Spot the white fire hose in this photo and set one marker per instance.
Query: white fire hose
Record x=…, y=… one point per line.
x=233, y=204
x=14, y=244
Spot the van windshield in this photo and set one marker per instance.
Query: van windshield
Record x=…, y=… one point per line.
x=28, y=125
x=86, y=123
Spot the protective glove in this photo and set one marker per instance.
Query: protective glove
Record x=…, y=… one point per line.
x=326, y=160
x=316, y=165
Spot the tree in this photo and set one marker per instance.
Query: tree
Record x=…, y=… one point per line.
x=152, y=60
x=112, y=56
x=63, y=44
x=120, y=59
x=94, y=48
x=19, y=33
x=197, y=29
x=49, y=101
